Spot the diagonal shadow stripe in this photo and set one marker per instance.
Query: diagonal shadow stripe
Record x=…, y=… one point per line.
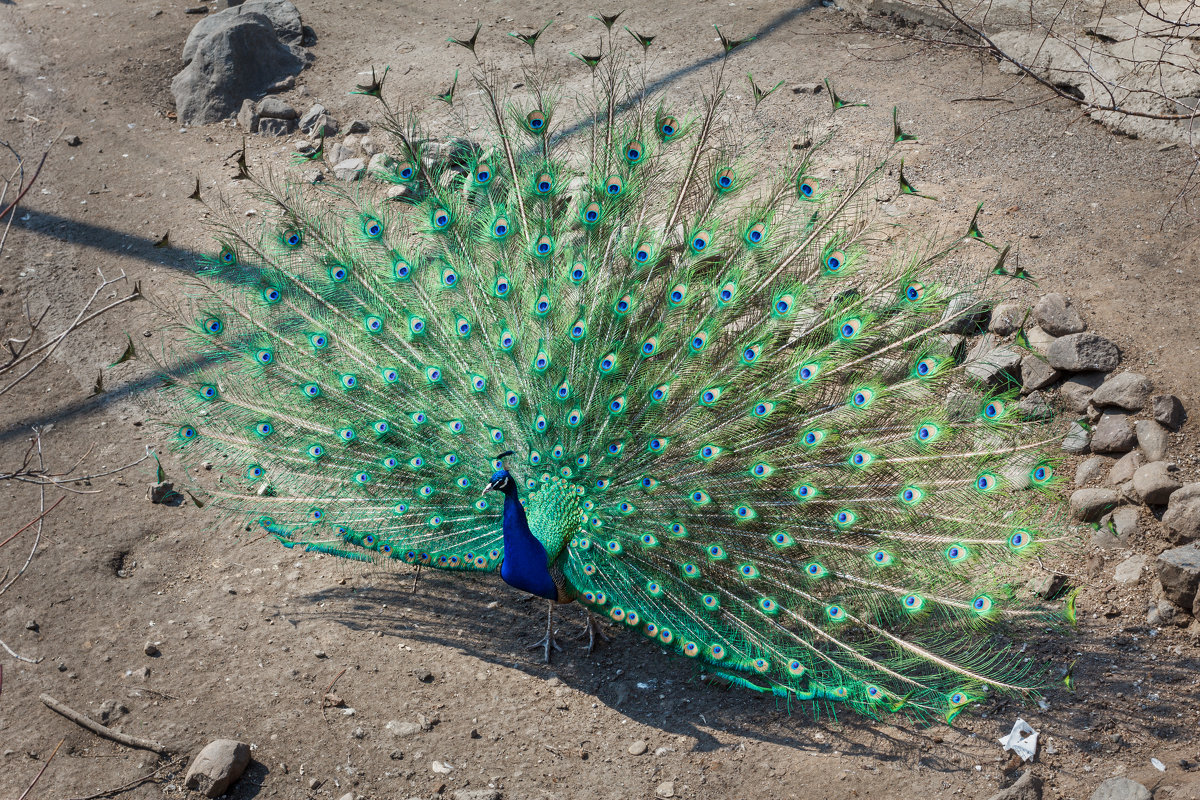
x=184, y=260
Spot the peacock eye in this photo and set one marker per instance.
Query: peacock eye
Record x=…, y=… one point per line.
x=914, y=291
x=402, y=269
x=440, y=218
x=807, y=187
x=406, y=171
x=372, y=228
x=544, y=246
x=834, y=260
x=633, y=152
x=724, y=180
x=591, y=213
x=756, y=233
x=292, y=237
x=227, y=257
x=500, y=227
x=668, y=127
x=483, y=174
x=700, y=241
x=613, y=185
x=536, y=120
x=543, y=183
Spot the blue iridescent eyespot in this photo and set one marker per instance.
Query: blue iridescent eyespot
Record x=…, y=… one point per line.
x=439, y=218
x=187, y=433
x=271, y=295
x=292, y=237
x=372, y=228
x=208, y=391
x=227, y=257
x=402, y=269
x=213, y=325
x=633, y=152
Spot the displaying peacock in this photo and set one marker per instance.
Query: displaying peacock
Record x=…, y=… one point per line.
x=626, y=362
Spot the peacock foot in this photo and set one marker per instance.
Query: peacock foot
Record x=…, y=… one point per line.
x=548, y=640
x=593, y=632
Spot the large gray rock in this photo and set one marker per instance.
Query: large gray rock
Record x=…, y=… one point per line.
x=1121, y=789
x=1168, y=411
x=1089, y=505
x=1039, y=340
x=1129, y=391
x=310, y=117
x=1179, y=573
x=1152, y=439
x=217, y=767
x=1113, y=434
x=1026, y=787
x=1116, y=529
x=241, y=59
x=993, y=367
x=349, y=170
x=1076, y=391
x=276, y=108
x=1183, y=514
x=1056, y=316
x=283, y=16
x=1036, y=373
x=1078, y=440
x=1089, y=470
x=1124, y=468
x=1006, y=318
x=1083, y=352
x=1129, y=571
x=1156, y=482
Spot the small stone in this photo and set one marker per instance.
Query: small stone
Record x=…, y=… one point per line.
x=1113, y=434
x=1124, y=468
x=359, y=733
x=475, y=734
x=319, y=654
x=807, y=88
x=1183, y=515
x=332, y=700
x=312, y=176
x=994, y=367
x=1078, y=439
x=247, y=116
x=665, y=789
x=310, y=117
x=358, y=126
x=1039, y=340
x=347, y=796
x=163, y=493
x=427, y=723
x=139, y=674
x=403, y=730
x=32, y=625
x=324, y=123
x=1036, y=373
x=1006, y=318
x=965, y=314
x=151, y=649
x=1035, y=406
x=349, y=170
x=441, y=767
x=1089, y=470
x=285, y=85
x=1129, y=571
x=1089, y=505
x=637, y=748
x=1121, y=789
x=1179, y=574
x=276, y=127
x=111, y=710
x=1156, y=482
x=73, y=141
x=1161, y=613
x=1026, y=787
x=1128, y=390
x=1152, y=439
x=424, y=676
x=340, y=151
x=381, y=165
x=1116, y=529
x=314, y=783
x=217, y=767
x=276, y=108
x=1083, y=352
x=1047, y=584
x=1168, y=411
x=1076, y=391
x=1057, y=316
x=368, y=146
x=404, y=191
x=475, y=794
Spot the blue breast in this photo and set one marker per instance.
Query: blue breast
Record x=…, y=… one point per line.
x=525, y=564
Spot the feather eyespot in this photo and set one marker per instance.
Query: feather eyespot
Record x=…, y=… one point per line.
x=578, y=272
x=613, y=185
x=861, y=458
x=914, y=291
x=724, y=180
x=536, y=121
x=440, y=218
x=292, y=237
x=659, y=393
x=1020, y=540
x=986, y=482
x=271, y=295
x=982, y=604
x=406, y=171
x=727, y=293
x=993, y=410
x=835, y=260
x=911, y=495
x=543, y=183
x=850, y=328
x=372, y=228
x=187, y=433
x=264, y=429
x=668, y=128
x=634, y=152
x=807, y=187
x=544, y=246
x=373, y=324
x=925, y=367
x=311, y=390
x=756, y=233
x=1041, y=474
x=955, y=553
x=796, y=668
x=402, y=269
x=500, y=227
x=482, y=175
x=213, y=325
x=254, y=472
x=913, y=603
x=699, y=341
x=677, y=294
x=227, y=257
x=699, y=241
x=591, y=214
x=502, y=286
x=574, y=418
x=808, y=371
x=763, y=409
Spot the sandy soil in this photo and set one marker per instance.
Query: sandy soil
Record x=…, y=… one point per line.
x=251, y=634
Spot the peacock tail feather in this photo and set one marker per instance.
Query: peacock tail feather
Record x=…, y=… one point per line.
x=738, y=428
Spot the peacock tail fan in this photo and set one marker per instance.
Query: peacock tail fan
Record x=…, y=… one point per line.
x=764, y=451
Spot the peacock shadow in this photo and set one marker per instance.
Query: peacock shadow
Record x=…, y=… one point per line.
x=628, y=674
x=1121, y=693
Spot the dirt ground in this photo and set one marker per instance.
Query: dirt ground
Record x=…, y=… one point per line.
x=250, y=635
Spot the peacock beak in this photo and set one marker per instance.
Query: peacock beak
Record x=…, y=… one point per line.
x=490, y=485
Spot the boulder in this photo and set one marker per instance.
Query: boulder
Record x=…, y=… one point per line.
x=1089, y=505
x=1183, y=514
x=1113, y=434
x=276, y=127
x=217, y=767
x=1152, y=439
x=1083, y=352
x=1076, y=391
x=1124, y=468
x=276, y=108
x=1179, y=574
x=1057, y=316
x=1036, y=373
x=1129, y=571
x=1156, y=482
x=1039, y=340
x=1078, y=440
x=1121, y=789
x=1168, y=411
x=1006, y=318
x=1089, y=470
x=1128, y=390
x=241, y=59
x=283, y=16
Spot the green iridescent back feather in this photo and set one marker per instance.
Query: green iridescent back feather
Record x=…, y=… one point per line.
x=778, y=467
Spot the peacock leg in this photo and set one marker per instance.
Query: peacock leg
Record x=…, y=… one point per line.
x=416, y=578
x=547, y=641
x=592, y=632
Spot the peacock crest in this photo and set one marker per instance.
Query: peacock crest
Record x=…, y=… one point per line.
x=735, y=427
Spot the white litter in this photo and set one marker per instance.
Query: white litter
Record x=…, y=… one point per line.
x=1158, y=765
x=1022, y=740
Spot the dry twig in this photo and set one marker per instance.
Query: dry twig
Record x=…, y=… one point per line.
x=100, y=730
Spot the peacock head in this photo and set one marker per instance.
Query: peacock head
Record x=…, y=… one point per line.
x=501, y=481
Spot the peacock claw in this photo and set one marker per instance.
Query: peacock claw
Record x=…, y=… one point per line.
x=593, y=633
x=548, y=640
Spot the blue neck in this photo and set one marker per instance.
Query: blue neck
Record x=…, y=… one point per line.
x=525, y=564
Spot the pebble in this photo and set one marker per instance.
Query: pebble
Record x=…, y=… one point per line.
x=140, y=674
x=637, y=748
x=1046, y=585
x=994, y=367
x=1156, y=482
x=475, y=794
x=1168, y=411
x=319, y=654
x=151, y=649
x=310, y=117
x=1183, y=515
x=403, y=730
x=807, y=88
x=358, y=126
x=381, y=164
x=1089, y=470
x=1026, y=787
x=1056, y=315
x=441, y=767
x=32, y=625
x=359, y=733
x=1113, y=434
x=217, y=767
x=1083, y=352
x=1152, y=439
x=1179, y=574
x=276, y=127
x=1128, y=390
x=1121, y=789
x=341, y=151
x=665, y=789
x=1089, y=505
x=1035, y=406
x=1161, y=613
x=1076, y=391
x=1129, y=571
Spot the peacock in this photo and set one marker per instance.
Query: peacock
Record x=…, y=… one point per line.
x=626, y=361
